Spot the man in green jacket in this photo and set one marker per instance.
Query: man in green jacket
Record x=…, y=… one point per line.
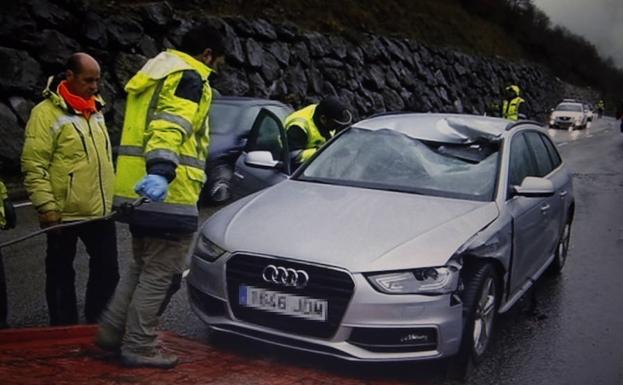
x=7, y=221
x=162, y=155
x=68, y=173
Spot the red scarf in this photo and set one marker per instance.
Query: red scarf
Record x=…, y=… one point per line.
x=85, y=106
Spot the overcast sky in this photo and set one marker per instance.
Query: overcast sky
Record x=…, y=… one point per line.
x=598, y=21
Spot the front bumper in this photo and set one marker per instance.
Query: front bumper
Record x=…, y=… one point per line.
x=415, y=326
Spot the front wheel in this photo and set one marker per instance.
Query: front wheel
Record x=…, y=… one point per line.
x=481, y=298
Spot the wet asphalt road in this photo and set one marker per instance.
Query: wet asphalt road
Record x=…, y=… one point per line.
x=572, y=336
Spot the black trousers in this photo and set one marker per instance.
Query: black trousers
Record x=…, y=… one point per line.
x=100, y=240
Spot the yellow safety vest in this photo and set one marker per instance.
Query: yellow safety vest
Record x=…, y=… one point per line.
x=511, y=110
x=304, y=119
x=162, y=126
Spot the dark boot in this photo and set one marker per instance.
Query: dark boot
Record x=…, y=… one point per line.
x=108, y=338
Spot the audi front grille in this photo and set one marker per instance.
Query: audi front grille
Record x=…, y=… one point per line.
x=334, y=286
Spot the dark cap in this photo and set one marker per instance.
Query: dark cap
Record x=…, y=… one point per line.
x=336, y=112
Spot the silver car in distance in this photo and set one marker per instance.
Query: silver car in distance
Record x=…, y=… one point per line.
x=401, y=239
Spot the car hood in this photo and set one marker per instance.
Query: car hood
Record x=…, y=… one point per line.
x=353, y=228
x=573, y=114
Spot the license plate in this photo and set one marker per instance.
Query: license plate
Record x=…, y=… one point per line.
x=283, y=303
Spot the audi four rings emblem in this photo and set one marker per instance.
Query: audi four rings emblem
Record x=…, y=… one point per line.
x=288, y=277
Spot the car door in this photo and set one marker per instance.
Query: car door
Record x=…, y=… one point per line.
x=554, y=212
x=531, y=216
x=561, y=178
x=267, y=135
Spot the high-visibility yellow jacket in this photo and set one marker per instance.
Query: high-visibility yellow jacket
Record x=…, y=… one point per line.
x=303, y=118
x=510, y=109
x=67, y=159
x=3, y=196
x=166, y=122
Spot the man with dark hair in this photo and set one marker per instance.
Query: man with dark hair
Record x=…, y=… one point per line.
x=162, y=154
x=310, y=127
x=69, y=176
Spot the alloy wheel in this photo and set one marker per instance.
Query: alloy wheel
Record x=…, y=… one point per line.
x=483, y=319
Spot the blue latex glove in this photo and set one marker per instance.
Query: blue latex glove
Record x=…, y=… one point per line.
x=153, y=187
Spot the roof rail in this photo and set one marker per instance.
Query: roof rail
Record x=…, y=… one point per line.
x=520, y=122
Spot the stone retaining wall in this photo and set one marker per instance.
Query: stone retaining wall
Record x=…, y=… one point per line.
x=279, y=61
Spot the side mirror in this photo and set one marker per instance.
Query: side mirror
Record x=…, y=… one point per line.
x=262, y=159
x=534, y=187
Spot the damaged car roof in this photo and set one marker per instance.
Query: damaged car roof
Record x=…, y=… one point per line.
x=444, y=128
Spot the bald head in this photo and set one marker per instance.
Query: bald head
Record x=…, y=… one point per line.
x=82, y=74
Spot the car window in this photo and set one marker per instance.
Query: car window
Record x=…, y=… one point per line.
x=552, y=151
x=280, y=111
x=267, y=138
x=569, y=107
x=389, y=160
x=521, y=162
x=543, y=160
x=226, y=118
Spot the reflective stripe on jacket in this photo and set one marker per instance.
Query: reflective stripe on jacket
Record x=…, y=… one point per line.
x=304, y=118
x=511, y=110
x=67, y=159
x=3, y=195
x=163, y=124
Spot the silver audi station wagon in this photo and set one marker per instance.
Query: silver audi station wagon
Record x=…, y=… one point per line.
x=401, y=239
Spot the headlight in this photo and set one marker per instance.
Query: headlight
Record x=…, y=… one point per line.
x=551, y=121
x=432, y=280
x=207, y=250
x=578, y=121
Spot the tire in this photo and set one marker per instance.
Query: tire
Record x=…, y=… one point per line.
x=562, y=251
x=481, y=299
x=218, y=186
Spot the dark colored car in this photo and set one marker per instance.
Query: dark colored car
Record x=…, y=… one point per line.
x=231, y=119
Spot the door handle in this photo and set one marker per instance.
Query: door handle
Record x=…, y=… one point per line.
x=545, y=208
x=563, y=193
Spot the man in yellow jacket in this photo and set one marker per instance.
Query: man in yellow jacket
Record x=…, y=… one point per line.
x=310, y=127
x=513, y=106
x=7, y=221
x=68, y=173
x=162, y=155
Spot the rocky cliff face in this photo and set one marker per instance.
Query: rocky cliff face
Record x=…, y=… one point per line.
x=280, y=61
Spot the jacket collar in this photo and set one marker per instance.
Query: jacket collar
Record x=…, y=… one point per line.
x=51, y=92
x=203, y=70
